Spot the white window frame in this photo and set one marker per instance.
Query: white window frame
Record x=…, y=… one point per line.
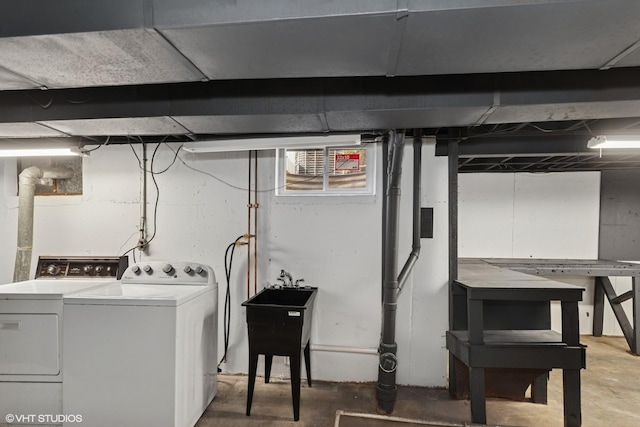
x=369, y=189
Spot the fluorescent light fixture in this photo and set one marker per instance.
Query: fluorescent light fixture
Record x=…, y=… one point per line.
x=294, y=142
x=614, y=141
x=41, y=152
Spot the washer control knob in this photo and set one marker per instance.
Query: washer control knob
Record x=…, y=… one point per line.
x=187, y=269
x=167, y=268
x=53, y=270
x=147, y=269
x=199, y=270
x=135, y=269
x=99, y=268
x=87, y=268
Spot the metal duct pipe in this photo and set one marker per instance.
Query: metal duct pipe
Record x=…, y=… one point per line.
x=386, y=390
x=26, y=193
x=417, y=190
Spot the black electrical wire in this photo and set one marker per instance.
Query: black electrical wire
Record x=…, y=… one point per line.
x=155, y=183
x=228, y=262
x=99, y=146
x=227, y=305
x=175, y=157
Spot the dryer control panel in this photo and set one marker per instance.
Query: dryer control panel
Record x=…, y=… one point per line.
x=50, y=267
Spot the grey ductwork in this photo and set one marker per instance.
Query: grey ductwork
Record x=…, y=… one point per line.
x=26, y=192
x=386, y=389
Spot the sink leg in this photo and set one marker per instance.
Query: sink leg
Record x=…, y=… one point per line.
x=307, y=362
x=295, y=384
x=268, y=361
x=253, y=366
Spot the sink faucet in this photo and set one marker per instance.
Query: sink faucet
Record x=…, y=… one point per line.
x=286, y=278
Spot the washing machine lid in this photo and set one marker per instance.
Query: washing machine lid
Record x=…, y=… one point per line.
x=47, y=289
x=139, y=294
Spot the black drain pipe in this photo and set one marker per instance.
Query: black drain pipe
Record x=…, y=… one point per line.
x=385, y=179
x=417, y=189
x=386, y=390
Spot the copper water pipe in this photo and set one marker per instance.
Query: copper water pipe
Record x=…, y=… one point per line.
x=255, y=226
x=249, y=228
x=252, y=233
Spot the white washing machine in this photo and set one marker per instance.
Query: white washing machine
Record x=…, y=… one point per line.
x=31, y=333
x=142, y=352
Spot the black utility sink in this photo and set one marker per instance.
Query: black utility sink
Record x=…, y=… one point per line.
x=291, y=297
x=279, y=323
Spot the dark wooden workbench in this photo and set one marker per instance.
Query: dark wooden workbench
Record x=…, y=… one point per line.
x=502, y=320
x=601, y=270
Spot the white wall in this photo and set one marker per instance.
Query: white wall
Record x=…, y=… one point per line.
x=333, y=242
x=524, y=215
x=554, y=215
x=105, y=219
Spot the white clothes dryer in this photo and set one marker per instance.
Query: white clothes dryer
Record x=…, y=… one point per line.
x=31, y=333
x=142, y=352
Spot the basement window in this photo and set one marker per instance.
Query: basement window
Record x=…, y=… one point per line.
x=55, y=187
x=326, y=171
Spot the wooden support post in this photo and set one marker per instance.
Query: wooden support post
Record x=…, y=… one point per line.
x=571, y=377
x=539, y=389
x=571, y=396
x=598, y=308
x=621, y=316
x=477, y=375
x=476, y=321
x=452, y=152
x=478, y=397
x=636, y=315
x=570, y=325
x=453, y=221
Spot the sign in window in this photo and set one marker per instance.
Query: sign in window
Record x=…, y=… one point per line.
x=347, y=162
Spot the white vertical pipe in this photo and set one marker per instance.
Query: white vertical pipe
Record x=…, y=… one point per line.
x=26, y=194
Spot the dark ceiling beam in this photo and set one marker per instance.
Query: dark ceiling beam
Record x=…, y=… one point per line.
x=351, y=103
x=527, y=146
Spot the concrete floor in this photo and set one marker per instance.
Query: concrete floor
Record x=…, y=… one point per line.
x=610, y=396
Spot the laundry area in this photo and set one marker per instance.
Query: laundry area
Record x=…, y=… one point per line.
x=347, y=213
